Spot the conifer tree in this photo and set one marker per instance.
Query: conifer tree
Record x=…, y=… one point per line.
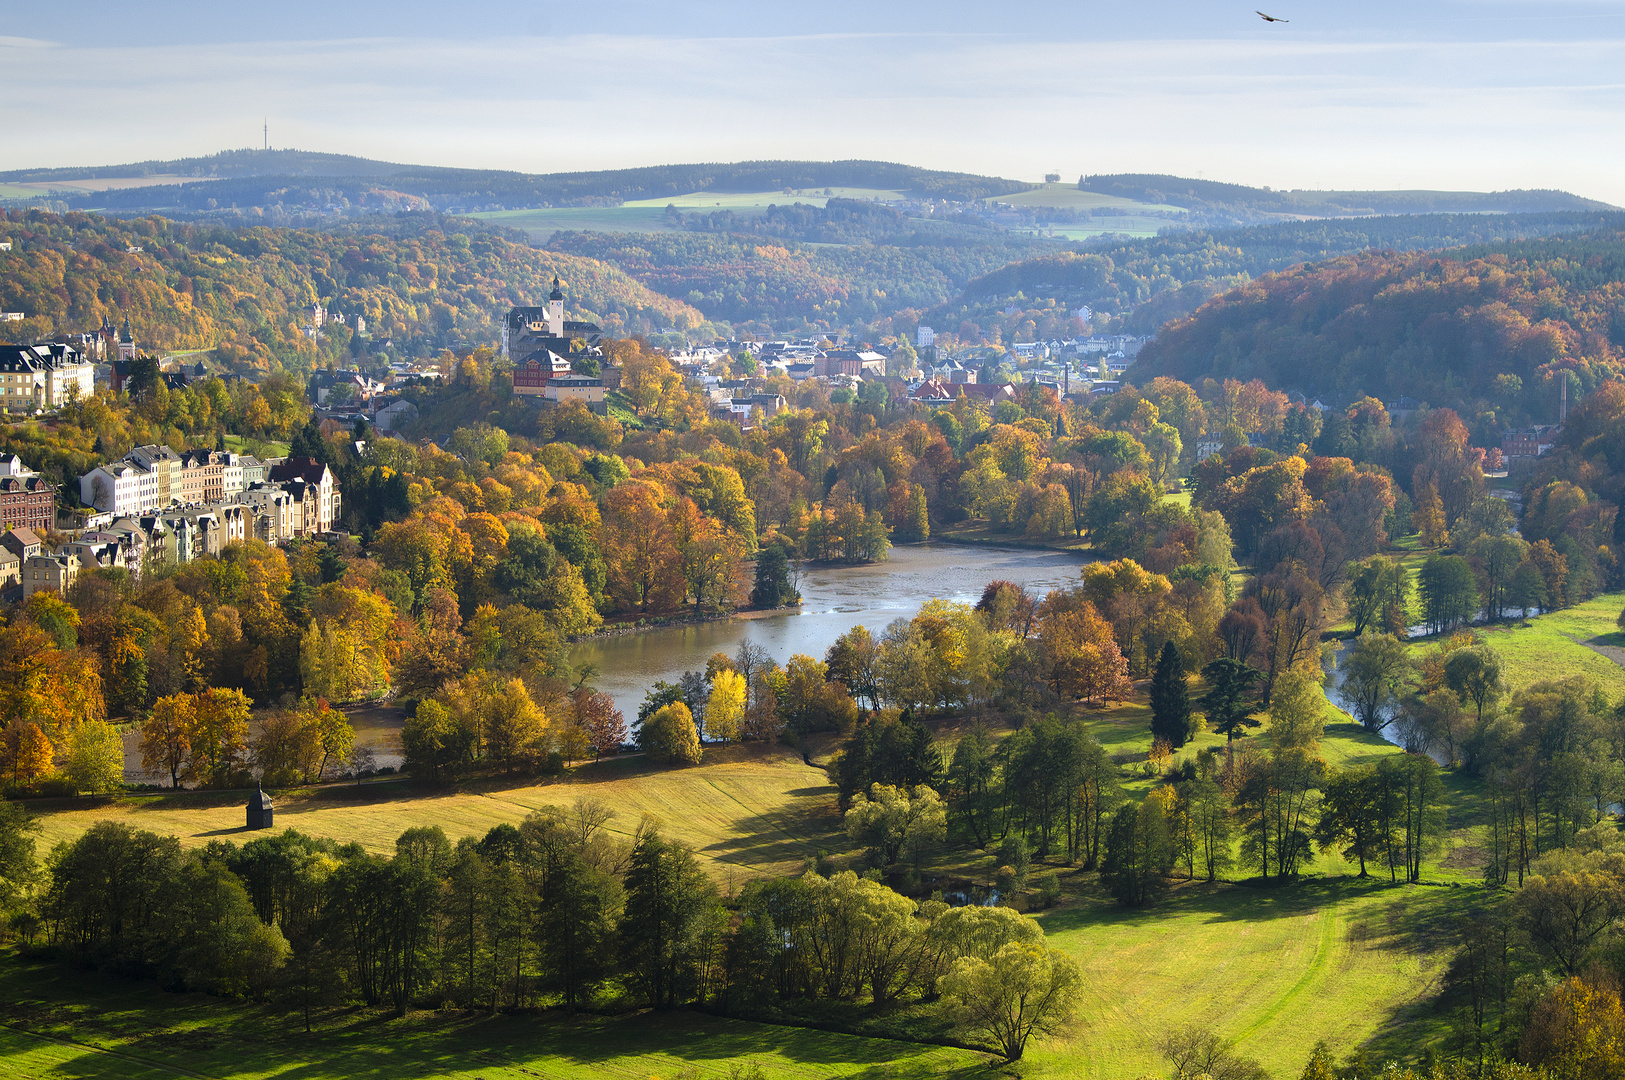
x=1170, y=699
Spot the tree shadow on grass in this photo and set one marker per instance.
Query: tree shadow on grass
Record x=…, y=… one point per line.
x=224, y=1038
x=1216, y=902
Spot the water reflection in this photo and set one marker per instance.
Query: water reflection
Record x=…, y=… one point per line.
x=834, y=599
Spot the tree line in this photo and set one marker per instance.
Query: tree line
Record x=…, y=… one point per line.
x=557, y=912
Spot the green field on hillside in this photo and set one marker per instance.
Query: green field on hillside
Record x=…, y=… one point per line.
x=649, y=215
x=753, y=200
x=1068, y=197
x=1273, y=969
x=543, y=223
x=60, y=1024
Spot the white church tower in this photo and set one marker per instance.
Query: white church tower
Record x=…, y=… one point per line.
x=555, y=310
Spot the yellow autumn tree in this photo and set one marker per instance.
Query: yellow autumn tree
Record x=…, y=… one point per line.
x=726, y=706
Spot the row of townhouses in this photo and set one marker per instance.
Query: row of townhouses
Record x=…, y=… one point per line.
x=278, y=499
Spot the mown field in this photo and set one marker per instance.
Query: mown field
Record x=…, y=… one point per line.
x=1273, y=969
x=747, y=813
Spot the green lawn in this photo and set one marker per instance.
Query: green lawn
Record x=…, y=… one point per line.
x=237, y=444
x=61, y=1024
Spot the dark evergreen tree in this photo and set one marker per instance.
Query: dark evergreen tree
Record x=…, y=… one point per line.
x=1227, y=704
x=1170, y=699
x=668, y=900
x=1336, y=438
x=1139, y=854
x=773, y=588
x=308, y=442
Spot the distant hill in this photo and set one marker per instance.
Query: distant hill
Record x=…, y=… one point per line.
x=282, y=179
x=1213, y=196
x=417, y=281
x=225, y=163
x=1482, y=329
x=1141, y=284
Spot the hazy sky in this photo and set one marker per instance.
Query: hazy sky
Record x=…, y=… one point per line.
x=1455, y=94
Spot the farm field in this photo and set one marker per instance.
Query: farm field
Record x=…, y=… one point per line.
x=750, y=200
x=59, y=1024
x=749, y=813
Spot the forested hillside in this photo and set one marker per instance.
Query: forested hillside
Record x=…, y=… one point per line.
x=871, y=269
x=1145, y=283
x=782, y=284
x=1483, y=330
x=1216, y=198
x=239, y=291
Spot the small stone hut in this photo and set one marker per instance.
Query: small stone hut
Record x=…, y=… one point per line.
x=259, y=809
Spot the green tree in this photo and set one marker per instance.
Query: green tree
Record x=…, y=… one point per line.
x=1475, y=675
x=1449, y=592
x=1228, y=707
x=19, y=869
x=668, y=902
x=669, y=736
x=1170, y=699
x=773, y=587
x=95, y=757
x=1139, y=854
x=1020, y=990
x=1374, y=675
x=435, y=744
x=1352, y=816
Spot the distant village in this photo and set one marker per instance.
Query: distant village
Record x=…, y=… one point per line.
x=159, y=504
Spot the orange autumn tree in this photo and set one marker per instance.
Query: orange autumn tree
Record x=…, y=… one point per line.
x=645, y=566
x=1079, y=650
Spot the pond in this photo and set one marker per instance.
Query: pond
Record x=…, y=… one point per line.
x=834, y=599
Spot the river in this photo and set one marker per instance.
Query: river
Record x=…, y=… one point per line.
x=834, y=599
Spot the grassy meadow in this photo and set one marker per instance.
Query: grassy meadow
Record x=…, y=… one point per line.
x=1273, y=969
x=1582, y=640
x=57, y=1024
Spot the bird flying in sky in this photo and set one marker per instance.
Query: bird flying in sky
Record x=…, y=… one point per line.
x=1269, y=18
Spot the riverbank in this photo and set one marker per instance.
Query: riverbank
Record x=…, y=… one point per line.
x=666, y=622
x=983, y=535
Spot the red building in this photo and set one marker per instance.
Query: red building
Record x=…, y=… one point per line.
x=27, y=502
